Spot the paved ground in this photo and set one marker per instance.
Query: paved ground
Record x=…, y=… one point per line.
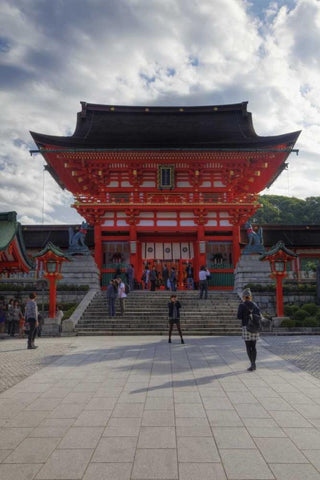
x=302, y=351
x=138, y=408
x=17, y=363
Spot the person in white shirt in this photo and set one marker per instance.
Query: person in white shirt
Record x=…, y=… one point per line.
x=203, y=281
x=59, y=317
x=121, y=294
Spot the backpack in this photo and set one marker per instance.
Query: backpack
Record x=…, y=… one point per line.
x=254, y=321
x=126, y=288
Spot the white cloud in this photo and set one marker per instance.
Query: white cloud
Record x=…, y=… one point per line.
x=55, y=54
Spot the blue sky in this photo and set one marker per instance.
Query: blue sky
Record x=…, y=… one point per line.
x=54, y=54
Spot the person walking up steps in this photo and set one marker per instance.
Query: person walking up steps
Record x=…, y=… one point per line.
x=174, y=316
x=204, y=275
x=245, y=307
x=112, y=293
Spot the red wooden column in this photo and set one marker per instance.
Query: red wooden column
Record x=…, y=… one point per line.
x=98, y=245
x=236, y=252
x=201, y=246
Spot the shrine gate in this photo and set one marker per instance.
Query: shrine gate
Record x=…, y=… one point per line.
x=166, y=185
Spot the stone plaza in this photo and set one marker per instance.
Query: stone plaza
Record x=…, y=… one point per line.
x=137, y=408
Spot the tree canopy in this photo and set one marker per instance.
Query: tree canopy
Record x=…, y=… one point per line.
x=280, y=210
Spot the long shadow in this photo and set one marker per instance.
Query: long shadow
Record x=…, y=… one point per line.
x=186, y=383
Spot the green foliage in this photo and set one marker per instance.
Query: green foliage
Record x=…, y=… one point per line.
x=77, y=288
x=311, y=308
x=287, y=287
x=300, y=315
x=69, y=311
x=311, y=322
x=288, y=323
x=289, y=310
x=32, y=287
x=12, y=287
x=280, y=210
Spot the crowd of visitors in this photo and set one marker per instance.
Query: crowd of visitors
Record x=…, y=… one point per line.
x=168, y=279
x=25, y=320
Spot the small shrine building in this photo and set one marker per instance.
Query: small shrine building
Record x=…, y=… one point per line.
x=166, y=185
x=13, y=254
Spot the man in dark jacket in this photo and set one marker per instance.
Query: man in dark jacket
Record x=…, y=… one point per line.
x=174, y=316
x=153, y=278
x=31, y=317
x=165, y=276
x=112, y=293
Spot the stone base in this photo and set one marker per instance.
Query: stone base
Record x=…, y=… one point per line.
x=276, y=321
x=50, y=328
x=251, y=270
x=82, y=270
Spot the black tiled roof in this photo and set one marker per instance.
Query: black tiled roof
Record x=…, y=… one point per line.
x=206, y=127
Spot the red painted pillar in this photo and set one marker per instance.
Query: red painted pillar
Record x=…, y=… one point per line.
x=98, y=246
x=52, y=296
x=279, y=296
x=236, y=252
x=201, y=246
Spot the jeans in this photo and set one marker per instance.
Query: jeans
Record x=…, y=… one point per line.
x=11, y=328
x=122, y=305
x=190, y=283
x=32, y=331
x=204, y=288
x=112, y=307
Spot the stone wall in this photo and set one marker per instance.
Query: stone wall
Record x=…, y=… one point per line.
x=267, y=300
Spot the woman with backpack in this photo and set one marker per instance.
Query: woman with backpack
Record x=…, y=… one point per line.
x=246, y=309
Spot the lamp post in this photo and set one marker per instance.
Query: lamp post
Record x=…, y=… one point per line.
x=52, y=259
x=278, y=257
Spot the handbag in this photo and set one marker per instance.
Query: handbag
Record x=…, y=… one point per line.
x=26, y=327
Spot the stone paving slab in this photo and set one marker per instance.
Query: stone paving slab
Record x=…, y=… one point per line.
x=137, y=408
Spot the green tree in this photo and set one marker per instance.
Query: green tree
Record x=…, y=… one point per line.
x=281, y=210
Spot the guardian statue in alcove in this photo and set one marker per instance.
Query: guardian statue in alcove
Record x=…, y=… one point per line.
x=255, y=240
x=77, y=240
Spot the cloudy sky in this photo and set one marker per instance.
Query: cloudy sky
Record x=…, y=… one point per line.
x=56, y=53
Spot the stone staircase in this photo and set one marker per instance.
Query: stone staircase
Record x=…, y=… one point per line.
x=147, y=314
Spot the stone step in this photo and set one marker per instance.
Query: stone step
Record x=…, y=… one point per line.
x=147, y=314
x=147, y=332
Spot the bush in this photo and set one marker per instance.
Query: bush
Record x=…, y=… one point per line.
x=69, y=312
x=62, y=286
x=299, y=323
x=311, y=308
x=288, y=323
x=289, y=310
x=310, y=322
x=300, y=315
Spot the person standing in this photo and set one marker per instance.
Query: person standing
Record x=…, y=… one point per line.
x=173, y=280
x=130, y=276
x=121, y=295
x=3, y=317
x=174, y=316
x=31, y=316
x=153, y=278
x=165, y=276
x=10, y=317
x=17, y=314
x=112, y=293
x=145, y=277
x=245, y=308
x=59, y=317
x=203, y=281
x=189, y=272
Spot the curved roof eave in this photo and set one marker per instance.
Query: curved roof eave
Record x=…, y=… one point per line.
x=164, y=128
